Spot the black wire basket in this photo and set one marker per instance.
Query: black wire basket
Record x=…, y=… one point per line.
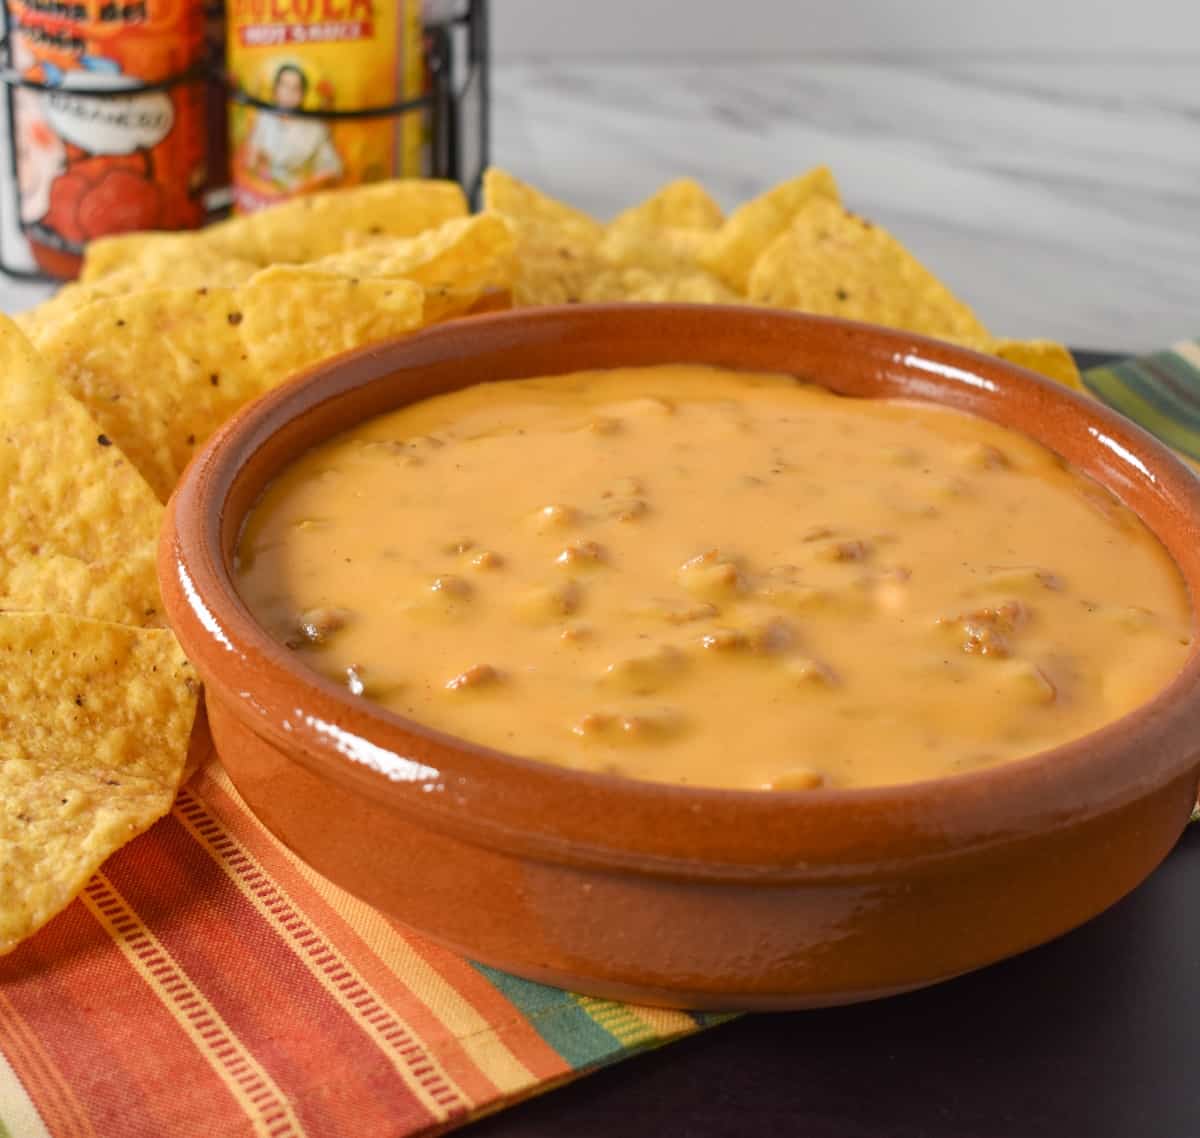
x=454, y=106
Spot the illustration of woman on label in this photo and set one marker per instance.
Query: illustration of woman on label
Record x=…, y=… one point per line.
x=294, y=153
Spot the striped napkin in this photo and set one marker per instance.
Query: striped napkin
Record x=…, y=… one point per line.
x=1160, y=391
x=209, y=983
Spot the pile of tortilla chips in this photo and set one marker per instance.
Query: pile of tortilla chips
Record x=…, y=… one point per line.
x=795, y=246
x=96, y=700
x=166, y=335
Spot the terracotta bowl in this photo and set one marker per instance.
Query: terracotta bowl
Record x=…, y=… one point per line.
x=666, y=894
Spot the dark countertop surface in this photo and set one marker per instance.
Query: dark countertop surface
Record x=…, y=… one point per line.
x=1096, y=1035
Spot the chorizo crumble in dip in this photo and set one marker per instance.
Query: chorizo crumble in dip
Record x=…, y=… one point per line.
x=699, y=576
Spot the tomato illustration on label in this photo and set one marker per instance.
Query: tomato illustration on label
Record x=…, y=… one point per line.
x=91, y=159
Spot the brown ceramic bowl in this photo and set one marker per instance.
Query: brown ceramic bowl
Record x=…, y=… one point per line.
x=667, y=894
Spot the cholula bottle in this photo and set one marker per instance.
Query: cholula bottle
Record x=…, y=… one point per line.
x=90, y=160
x=321, y=56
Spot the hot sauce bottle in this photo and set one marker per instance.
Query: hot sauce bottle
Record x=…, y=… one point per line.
x=90, y=160
x=320, y=56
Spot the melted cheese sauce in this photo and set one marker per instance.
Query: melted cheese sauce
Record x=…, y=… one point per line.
x=698, y=576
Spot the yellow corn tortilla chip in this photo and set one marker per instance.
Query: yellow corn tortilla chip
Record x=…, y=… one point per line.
x=747, y=232
x=161, y=268
x=139, y=261
x=457, y=264
x=834, y=263
x=36, y=320
x=445, y=303
x=527, y=207
x=161, y=370
x=655, y=247
x=148, y=258
x=556, y=245
x=172, y=260
x=669, y=230
x=467, y=253
x=440, y=302
x=317, y=225
x=657, y=286
x=299, y=230
x=70, y=500
x=681, y=204
x=294, y=318
x=120, y=590
x=1044, y=356
x=1052, y=360
x=95, y=720
x=552, y=274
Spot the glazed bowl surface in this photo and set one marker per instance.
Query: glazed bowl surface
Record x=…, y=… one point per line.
x=682, y=896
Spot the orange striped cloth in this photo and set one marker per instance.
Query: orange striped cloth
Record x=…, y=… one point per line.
x=209, y=983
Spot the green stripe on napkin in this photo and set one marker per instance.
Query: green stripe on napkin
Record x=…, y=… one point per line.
x=1160, y=392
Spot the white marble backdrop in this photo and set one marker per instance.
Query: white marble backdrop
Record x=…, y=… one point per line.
x=1061, y=197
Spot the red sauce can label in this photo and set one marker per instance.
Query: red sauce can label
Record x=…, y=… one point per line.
x=91, y=160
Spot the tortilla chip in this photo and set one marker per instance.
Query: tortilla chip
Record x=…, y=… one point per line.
x=122, y=590
x=95, y=721
x=69, y=499
x=295, y=317
x=681, y=204
x=230, y=253
x=1047, y=358
x=299, y=230
x=1043, y=356
x=467, y=253
x=171, y=260
x=38, y=321
x=161, y=370
x=552, y=274
x=833, y=263
x=655, y=247
x=316, y=225
x=160, y=268
x=35, y=320
x=445, y=303
x=556, y=245
x=658, y=286
x=441, y=302
x=148, y=260
x=526, y=207
x=669, y=230
x=747, y=232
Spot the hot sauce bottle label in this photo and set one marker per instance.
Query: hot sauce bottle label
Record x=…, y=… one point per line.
x=321, y=56
x=91, y=164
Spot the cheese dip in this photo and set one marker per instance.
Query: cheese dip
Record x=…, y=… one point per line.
x=699, y=576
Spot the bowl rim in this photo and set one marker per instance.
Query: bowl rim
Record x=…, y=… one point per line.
x=487, y=796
